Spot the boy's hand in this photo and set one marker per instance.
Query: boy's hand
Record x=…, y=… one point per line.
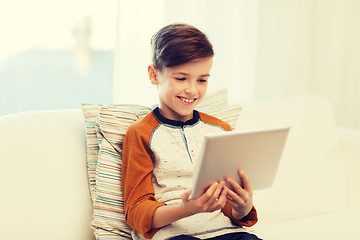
x=213, y=199
x=240, y=198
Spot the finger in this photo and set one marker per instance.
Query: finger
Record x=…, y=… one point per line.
x=207, y=200
x=209, y=192
x=234, y=198
x=222, y=198
x=236, y=188
x=218, y=200
x=245, y=181
x=239, y=200
x=224, y=194
x=185, y=196
x=219, y=190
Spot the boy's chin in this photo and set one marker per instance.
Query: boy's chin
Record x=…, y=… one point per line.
x=187, y=115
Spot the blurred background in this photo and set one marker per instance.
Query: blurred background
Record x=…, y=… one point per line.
x=56, y=54
x=59, y=54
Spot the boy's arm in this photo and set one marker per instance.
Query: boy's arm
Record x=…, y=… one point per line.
x=139, y=195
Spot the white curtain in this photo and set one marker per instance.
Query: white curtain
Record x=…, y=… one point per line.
x=263, y=49
x=310, y=47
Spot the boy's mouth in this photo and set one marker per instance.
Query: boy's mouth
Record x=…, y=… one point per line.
x=187, y=100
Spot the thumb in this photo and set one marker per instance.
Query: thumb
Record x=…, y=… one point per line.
x=185, y=196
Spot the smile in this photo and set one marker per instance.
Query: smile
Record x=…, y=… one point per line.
x=187, y=100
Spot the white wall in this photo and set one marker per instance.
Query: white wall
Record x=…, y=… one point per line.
x=234, y=44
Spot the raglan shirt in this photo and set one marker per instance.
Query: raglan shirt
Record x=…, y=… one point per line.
x=159, y=155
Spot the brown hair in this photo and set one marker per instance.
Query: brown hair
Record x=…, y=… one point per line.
x=177, y=44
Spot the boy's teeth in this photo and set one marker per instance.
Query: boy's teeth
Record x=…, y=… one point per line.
x=188, y=100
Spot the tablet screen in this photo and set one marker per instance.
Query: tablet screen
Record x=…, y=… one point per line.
x=256, y=152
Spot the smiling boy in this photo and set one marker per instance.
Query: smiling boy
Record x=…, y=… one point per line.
x=181, y=87
x=160, y=150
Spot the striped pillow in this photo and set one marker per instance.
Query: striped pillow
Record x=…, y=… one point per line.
x=91, y=115
x=104, y=141
x=229, y=114
x=106, y=127
x=91, y=112
x=108, y=208
x=216, y=99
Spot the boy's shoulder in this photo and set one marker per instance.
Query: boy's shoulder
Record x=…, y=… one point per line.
x=144, y=125
x=214, y=121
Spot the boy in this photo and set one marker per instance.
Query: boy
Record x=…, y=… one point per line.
x=159, y=151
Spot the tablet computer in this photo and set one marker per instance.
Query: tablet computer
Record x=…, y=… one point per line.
x=256, y=152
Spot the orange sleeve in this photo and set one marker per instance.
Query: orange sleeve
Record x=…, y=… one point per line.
x=247, y=221
x=139, y=195
x=215, y=121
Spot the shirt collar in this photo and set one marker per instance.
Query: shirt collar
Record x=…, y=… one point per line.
x=165, y=120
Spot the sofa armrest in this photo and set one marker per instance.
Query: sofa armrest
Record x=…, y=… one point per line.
x=350, y=156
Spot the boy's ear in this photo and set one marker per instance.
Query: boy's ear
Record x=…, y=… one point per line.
x=152, y=74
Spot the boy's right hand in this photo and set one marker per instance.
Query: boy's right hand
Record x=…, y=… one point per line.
x=213, y=199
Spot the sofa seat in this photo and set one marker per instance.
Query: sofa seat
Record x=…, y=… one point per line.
x=338, y=225
x=45, y=192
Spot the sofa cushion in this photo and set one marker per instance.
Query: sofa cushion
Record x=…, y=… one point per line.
x=310, y=177
x=44, y=188
x=330, y=226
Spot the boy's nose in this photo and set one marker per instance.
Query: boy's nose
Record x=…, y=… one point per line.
x=190, y=89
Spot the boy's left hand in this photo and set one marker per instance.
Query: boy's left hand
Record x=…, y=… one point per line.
x=240, y=198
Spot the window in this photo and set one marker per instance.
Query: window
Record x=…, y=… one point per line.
x=56, y=54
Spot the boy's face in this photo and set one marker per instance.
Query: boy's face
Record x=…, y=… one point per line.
x=181, y=87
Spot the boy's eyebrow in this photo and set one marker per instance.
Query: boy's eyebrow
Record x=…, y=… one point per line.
x=186, y=74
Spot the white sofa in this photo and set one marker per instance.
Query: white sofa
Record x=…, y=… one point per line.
x=45, y=193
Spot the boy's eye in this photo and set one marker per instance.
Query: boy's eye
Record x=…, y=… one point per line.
x=203, y=80
x=181, y=79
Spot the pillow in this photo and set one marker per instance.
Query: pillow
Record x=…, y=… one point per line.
x=106, y=127
x=229, y=114
x=215, y=99
x=91, y=114
x=108, y=212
